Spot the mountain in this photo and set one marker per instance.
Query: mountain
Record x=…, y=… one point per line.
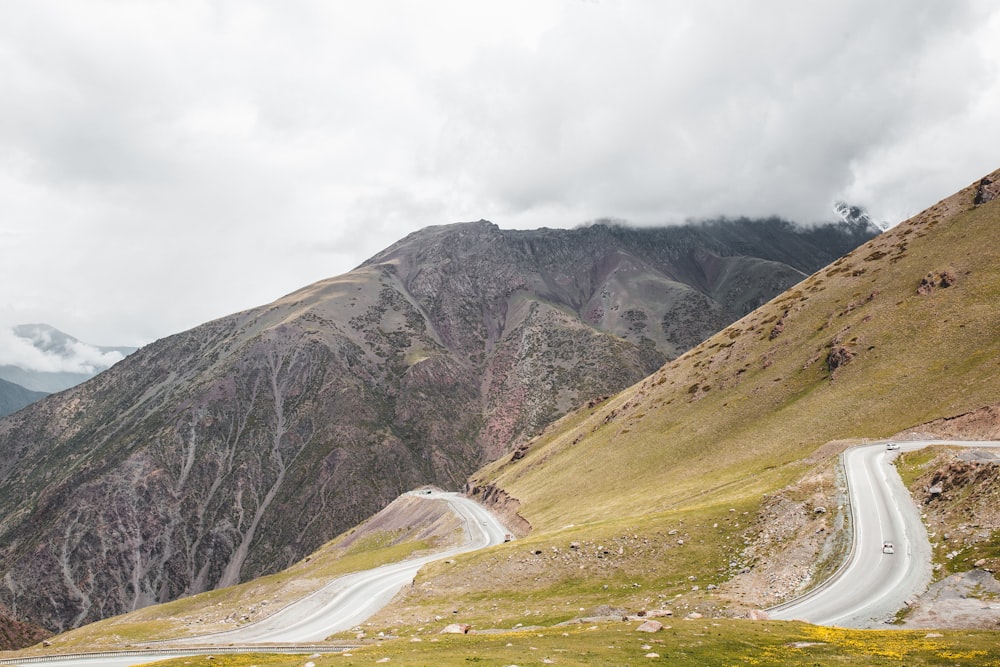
x=64, y=360
x=857, y=217
x=234, y=449
x=13, y=397
x=719, y=469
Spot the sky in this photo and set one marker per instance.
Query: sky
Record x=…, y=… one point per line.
x=163, y=163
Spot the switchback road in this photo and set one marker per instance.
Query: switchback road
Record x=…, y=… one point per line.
x=340, y=605
x=873, y=585
x=349, y=600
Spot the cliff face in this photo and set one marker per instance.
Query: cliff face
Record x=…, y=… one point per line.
x=236, y=448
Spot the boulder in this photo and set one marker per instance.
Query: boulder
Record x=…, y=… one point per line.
x=943, y=278
x=988, y=190
x=659, y=613
x=456, y=629
x=650, y=626
x=839, y=356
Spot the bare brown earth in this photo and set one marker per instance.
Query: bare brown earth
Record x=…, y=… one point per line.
x=982, y=424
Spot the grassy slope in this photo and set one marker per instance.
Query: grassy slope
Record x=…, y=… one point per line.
x=738, y=410
x=709, y=433
x=723, y=642
x=739, y=416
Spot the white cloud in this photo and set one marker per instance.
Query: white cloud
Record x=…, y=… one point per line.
x=162, y=164
x=77, y=357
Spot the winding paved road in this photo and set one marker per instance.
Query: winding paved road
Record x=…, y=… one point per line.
x=340, y=605
x=871, y=586
x=865, y=592
x=349, y=600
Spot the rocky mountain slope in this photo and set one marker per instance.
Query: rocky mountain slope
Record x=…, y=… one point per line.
x=236, y=448
x=14, y=634
x=729, y=450
x=958, y=492
x=900, y=332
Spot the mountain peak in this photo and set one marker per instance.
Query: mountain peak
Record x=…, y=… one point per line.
x=42, y=358
x=857, y=217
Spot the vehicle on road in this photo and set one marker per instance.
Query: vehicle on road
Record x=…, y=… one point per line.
x=892, y=445
x=887, y=548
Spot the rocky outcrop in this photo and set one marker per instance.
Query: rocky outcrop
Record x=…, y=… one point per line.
x=962, y=601
x=456, y=629
x=650, y=626
x=987, y=190
x=935, y=279
x=502, y=504
x=839, y=356
x=234, y=449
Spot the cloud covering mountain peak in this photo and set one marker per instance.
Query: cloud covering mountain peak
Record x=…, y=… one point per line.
x=44, y=349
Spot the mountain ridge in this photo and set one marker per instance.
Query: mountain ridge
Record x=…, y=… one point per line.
x=232, y=450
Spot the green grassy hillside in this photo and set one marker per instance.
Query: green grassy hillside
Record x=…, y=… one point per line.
x=856, y=350
x=674, y=484
x=655, y=499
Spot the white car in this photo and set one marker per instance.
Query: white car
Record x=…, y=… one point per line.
x=892, y=445
x=887, y=548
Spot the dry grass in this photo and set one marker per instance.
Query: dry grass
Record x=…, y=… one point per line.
x=745, y=414
x=740, y=411
x=701, y=642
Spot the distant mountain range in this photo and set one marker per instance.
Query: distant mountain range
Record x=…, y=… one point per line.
x=62, y=360
x=13, y=397
x=236, y=448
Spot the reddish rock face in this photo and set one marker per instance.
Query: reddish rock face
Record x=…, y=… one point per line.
x=15, y=634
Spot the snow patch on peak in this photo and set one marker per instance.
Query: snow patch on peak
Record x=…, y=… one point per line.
x=856, y=216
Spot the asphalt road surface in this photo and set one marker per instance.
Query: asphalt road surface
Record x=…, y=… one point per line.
x=340, y=605
x=873, y=585
x=349, y=600
x=865, y=592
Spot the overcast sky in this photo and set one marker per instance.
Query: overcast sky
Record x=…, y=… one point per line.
x=166, y=163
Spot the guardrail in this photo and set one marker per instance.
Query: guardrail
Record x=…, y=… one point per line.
x=139, y=652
